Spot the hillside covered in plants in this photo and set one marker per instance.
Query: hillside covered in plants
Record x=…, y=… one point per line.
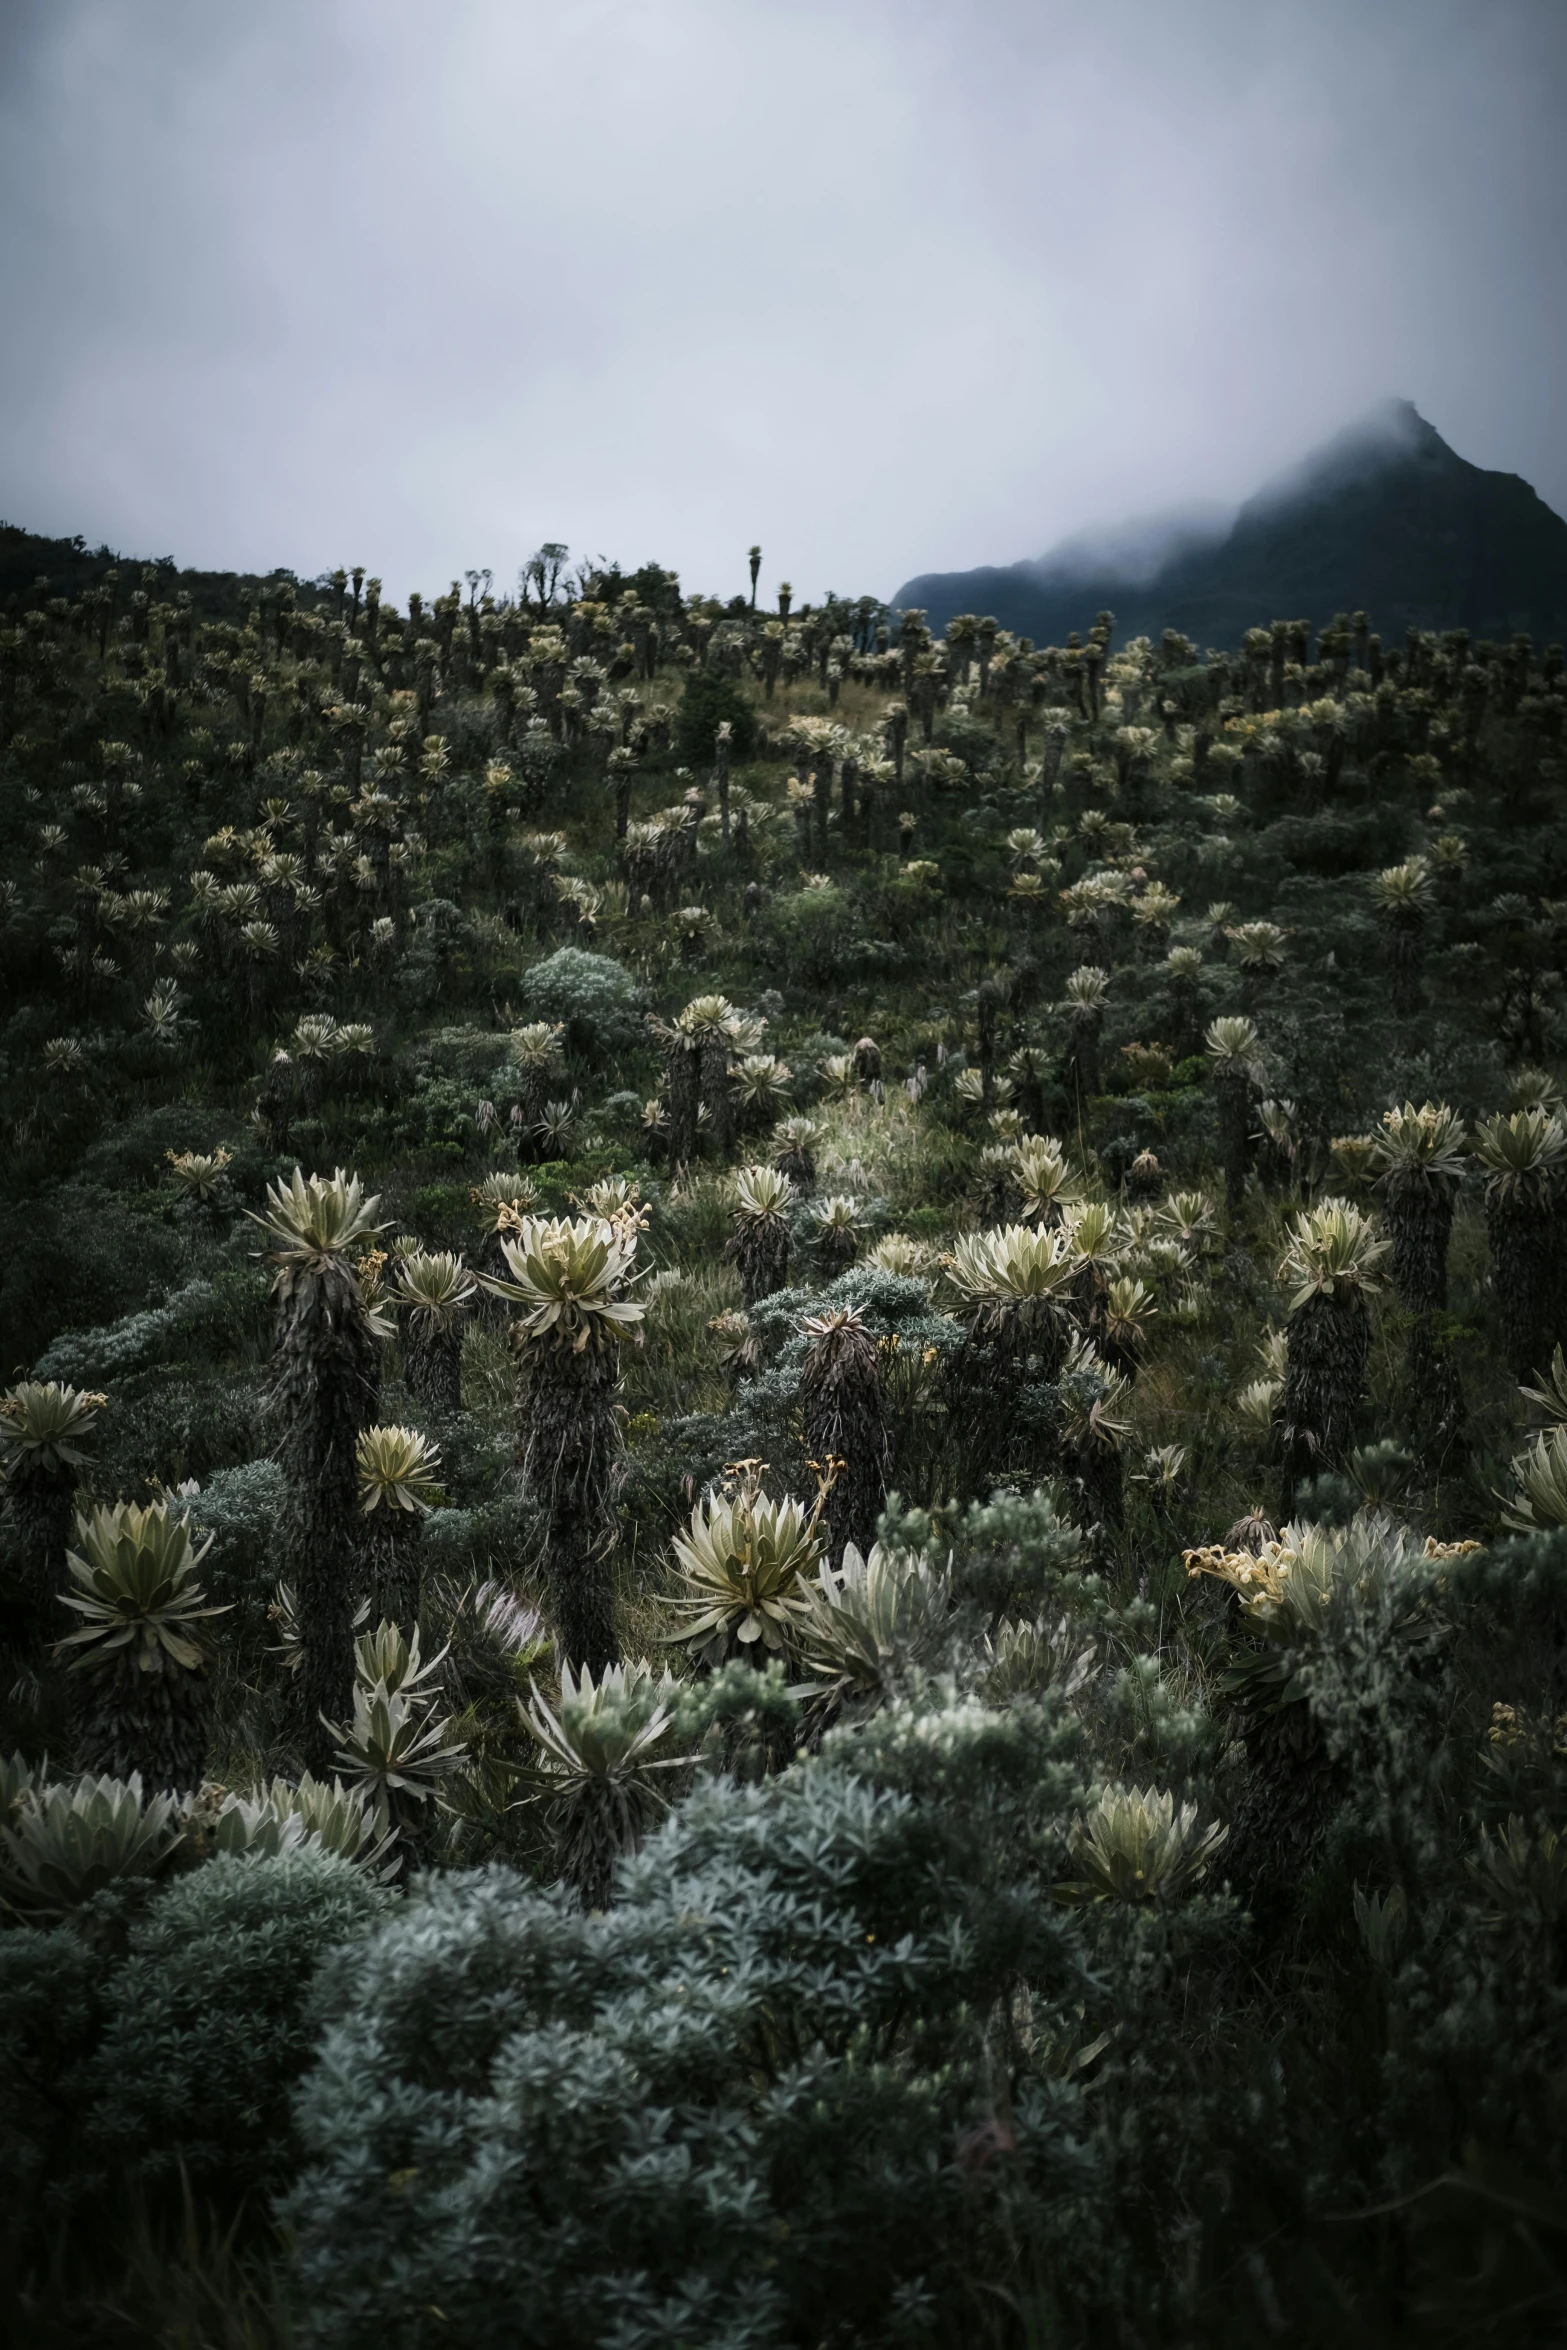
x=785, y=1461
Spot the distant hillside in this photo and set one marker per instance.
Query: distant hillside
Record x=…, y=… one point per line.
x=69, y=565
x=1387, y=519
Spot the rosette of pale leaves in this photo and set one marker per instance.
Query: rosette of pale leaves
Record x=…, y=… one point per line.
x=1291, y=1587
x=1093, y=1231
x=1405, y=890
x=396, y=1469
x=1138, y=1845
x=1257, y=1405
x=65, y=1842
x=838, y=1221
x=1129, y=1307
x=1087, y=989
x=1539, y=1496
x=1551, y=1397
x=1333, y=1251
x=614, y=1197
x=135, y=1590
x=744, y=1559
x=1259, y=946
x=1427, y=1145
x=536, y=1047
x=45, y=1425
x=897, y=1253
x=397, y=1749
x=311, y=1219
x=1234, y=1048
x=1525, y=1154
x=435, y=1288
x=863, y=1628
x=503, y=1199
x=1043, y=1176
x=762, y=1192
x=1024, y=1659
x=762, y=1082
x=568, y=1277
x=199, y=1175
x=1016, y=1271
x=1189, y=1220
x=316, y=1815
x=603, y=1755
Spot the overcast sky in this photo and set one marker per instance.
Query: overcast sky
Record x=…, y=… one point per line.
x=888, y=286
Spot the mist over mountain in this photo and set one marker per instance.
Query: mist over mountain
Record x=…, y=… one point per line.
x=1385, y=518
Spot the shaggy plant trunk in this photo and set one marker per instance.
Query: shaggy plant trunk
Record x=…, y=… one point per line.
x=1524, y=1275
x=43, y=1512
x=1420, y=1222
x=394, y=1566
x=152, y=1722
x=571, y=1461
x=1101, y=1472
x=845, y=1418
x=1233, y=1096
x=432, y=1362
x=718, y=1093
x=325, y=1394
x=800, y=1167
x=986, y=1374
x=1324, y=1387
x=1291, y=1793
x=761, y=1251
x=1186, y=1024
x=685, y=1091
x=1405, y=960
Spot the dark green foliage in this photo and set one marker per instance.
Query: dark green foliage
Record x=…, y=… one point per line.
x=207, y=2023
x=133, y=2049
x=707, y=703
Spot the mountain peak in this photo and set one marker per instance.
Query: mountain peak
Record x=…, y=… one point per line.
x=1384, y=517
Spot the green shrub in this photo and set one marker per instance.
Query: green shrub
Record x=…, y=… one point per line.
x=728, y=2110
x=596, y=997
x=706, y=703
x=207, y=2023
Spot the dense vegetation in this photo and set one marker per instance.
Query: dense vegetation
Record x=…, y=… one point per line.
x=784, y=1548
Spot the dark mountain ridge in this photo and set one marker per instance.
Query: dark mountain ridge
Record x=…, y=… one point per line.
x=1386, y=518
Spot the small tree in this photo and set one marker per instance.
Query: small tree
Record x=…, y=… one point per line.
x=1525, y=1155
x=46, y=1432
x=436, y=1294
x=761, y=1241
x=325, y=1381
x=570, y=1282
x=844, y=1408
x=1403, y=896
x=144, y=1694
x=1419, y=1155
x=1331, y=1263
x=397, y=1481
x=1236, y=1063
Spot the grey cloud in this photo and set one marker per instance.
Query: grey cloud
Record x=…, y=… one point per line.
x=888, y=288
